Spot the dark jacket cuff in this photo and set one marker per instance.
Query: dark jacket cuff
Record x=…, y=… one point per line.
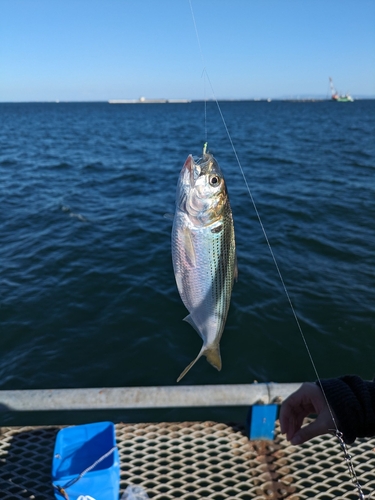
x=353, y=403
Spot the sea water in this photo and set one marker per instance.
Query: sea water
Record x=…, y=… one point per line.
x=88, y=297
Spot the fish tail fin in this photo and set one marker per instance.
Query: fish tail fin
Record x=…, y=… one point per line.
x=212, y=354
x=189, y=366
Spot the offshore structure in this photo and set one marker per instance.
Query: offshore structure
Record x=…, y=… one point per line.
x=144, y=100
x=336, y=97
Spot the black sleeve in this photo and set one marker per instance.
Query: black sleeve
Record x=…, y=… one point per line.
x=353, y=402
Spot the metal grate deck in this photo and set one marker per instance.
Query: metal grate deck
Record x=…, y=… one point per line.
x=197, y=460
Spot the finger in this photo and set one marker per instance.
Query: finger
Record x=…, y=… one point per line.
x=296, y=422
x=284, y=417
x=292, y=415
x=315, y=428
x=288, y=409
x=296, y=407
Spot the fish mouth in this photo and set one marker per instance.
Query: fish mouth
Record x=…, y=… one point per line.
x=192, y=170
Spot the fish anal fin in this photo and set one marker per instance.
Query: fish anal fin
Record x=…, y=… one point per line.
x=191, y=322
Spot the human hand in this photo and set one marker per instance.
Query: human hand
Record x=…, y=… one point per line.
x=306, y=400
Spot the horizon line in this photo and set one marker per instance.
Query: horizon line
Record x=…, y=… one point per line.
x=183, y=101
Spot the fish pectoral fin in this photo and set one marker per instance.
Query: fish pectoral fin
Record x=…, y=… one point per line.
x=212, y=354
x=189, y=247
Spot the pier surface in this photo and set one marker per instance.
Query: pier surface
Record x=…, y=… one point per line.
x=197, y=460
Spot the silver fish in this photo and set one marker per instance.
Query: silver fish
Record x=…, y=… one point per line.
x=204, y=252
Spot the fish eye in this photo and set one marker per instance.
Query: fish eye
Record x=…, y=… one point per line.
x=214, y=180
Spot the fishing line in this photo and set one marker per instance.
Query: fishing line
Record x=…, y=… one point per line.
x=204, y=72
x=336, y=431
x=205, y=109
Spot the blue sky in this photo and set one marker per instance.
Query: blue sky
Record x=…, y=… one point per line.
x=84, y=50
